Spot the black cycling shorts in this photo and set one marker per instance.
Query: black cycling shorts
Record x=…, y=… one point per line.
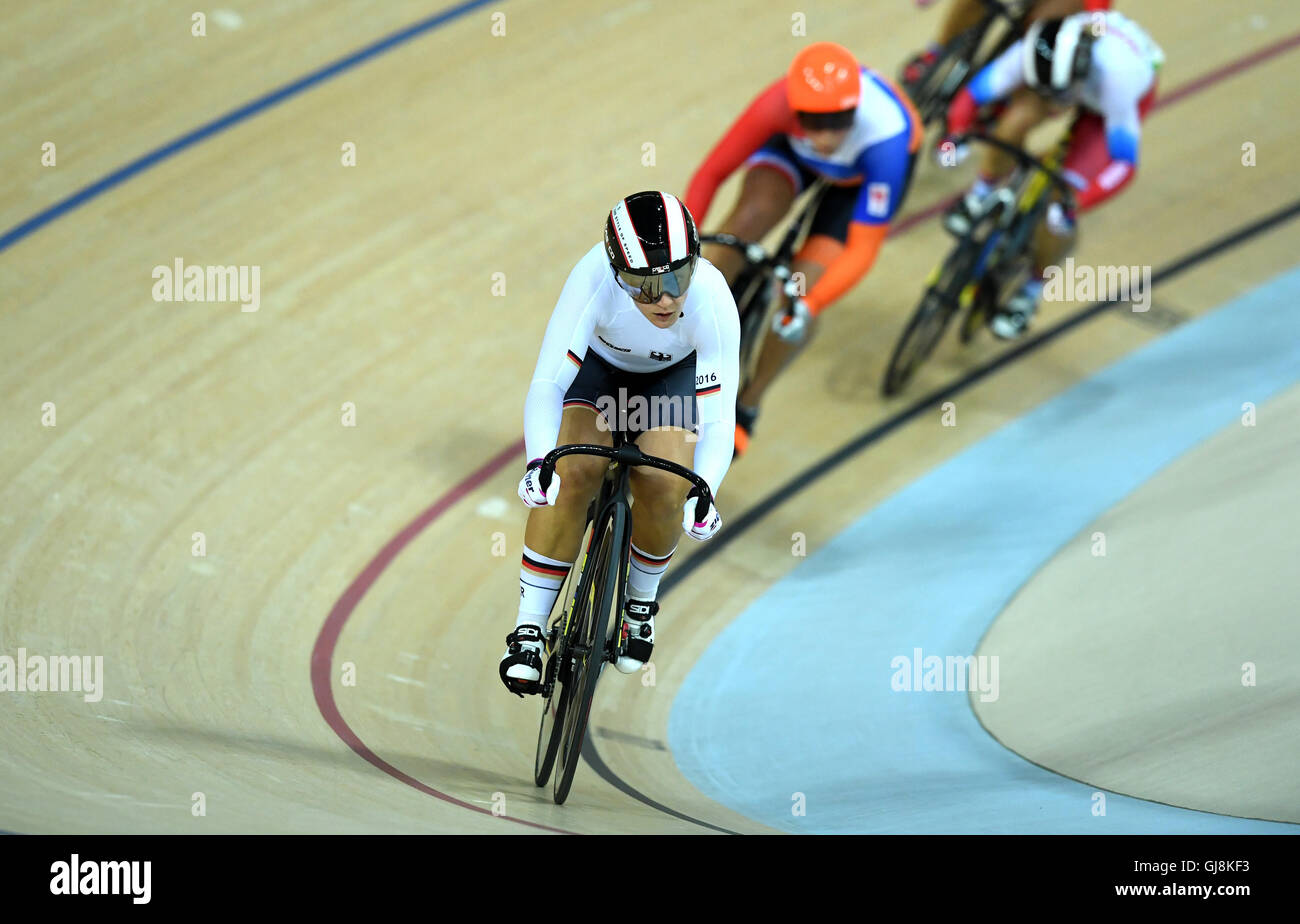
x=635, y=402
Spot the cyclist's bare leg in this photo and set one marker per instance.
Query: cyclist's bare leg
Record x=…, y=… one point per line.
x=777, y=353
x=556, y=531
x=1025, y=110
x=960, y=16
x=659, y=495
x=766, y=194
x=965, y=14
x=1050, y=246
x=1053, y=9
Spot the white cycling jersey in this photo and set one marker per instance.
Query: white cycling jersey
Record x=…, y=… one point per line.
x=1125, y=60
x=595, y=313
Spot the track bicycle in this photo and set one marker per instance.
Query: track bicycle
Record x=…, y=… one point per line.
x=990, y=262
x=587, y=628
x=764, y=277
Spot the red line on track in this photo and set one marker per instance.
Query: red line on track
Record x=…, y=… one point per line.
x=322, y=654
x=1228, y=70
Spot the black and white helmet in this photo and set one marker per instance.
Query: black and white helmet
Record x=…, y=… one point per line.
x=652, y=245
x=1057, y=54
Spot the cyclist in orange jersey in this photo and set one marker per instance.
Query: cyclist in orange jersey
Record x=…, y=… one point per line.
x=828, y=117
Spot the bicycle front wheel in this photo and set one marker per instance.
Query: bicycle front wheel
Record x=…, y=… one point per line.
x=755, y=309
x=554, y=680
x=927, y=324
x=587, y=652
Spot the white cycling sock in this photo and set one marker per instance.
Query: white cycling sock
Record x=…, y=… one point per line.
x=540, y=580
x=643, y=577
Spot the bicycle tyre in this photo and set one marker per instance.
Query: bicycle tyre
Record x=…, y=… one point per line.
x=591, y=634
x=554, y=706
x=752, y=307
x=919, y=338
x=753, y=327
x=925, y=328
x=553, y=709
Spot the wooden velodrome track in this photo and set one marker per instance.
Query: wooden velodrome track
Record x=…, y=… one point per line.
x=373, y=545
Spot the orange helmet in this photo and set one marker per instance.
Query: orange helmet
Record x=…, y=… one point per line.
x=823, y=78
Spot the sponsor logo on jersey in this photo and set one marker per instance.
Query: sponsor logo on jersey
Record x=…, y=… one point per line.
x=612, y=347
x=878, y=199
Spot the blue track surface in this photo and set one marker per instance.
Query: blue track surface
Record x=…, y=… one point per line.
x=795, y=696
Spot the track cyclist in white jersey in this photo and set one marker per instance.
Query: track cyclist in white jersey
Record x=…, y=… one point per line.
x=1103, y=66
x=647, y=330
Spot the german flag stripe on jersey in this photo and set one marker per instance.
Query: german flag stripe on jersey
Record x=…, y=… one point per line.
x=650, y=560
x=705, y=392
x=581, y=402
x=574, y=358
x=542, y=569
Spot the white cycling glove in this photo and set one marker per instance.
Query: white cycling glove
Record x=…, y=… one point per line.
x=792, y=326
x=700, y=531
x=530, y=486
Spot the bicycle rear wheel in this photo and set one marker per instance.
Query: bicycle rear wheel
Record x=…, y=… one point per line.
x=587, y=651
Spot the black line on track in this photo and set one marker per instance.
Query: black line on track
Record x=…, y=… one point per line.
x=593, y=759
x=850, y=449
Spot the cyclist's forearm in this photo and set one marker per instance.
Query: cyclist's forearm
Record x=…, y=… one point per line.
x=543, y=412
x=855, y=262
x=717, y=376
x=714, y=450
x=766, y=115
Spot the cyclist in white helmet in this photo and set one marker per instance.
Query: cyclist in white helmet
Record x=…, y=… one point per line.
x=1104, y=66
x=644, y=338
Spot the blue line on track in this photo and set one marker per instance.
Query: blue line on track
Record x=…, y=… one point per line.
x=234, y=117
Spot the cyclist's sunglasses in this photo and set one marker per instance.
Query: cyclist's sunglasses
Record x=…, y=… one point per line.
x=826, y=121
x=648, y=288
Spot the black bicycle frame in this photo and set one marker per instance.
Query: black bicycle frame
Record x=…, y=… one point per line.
x=778, y=261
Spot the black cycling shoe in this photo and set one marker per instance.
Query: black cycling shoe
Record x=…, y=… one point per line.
x=639, y=622
x=521, y=665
